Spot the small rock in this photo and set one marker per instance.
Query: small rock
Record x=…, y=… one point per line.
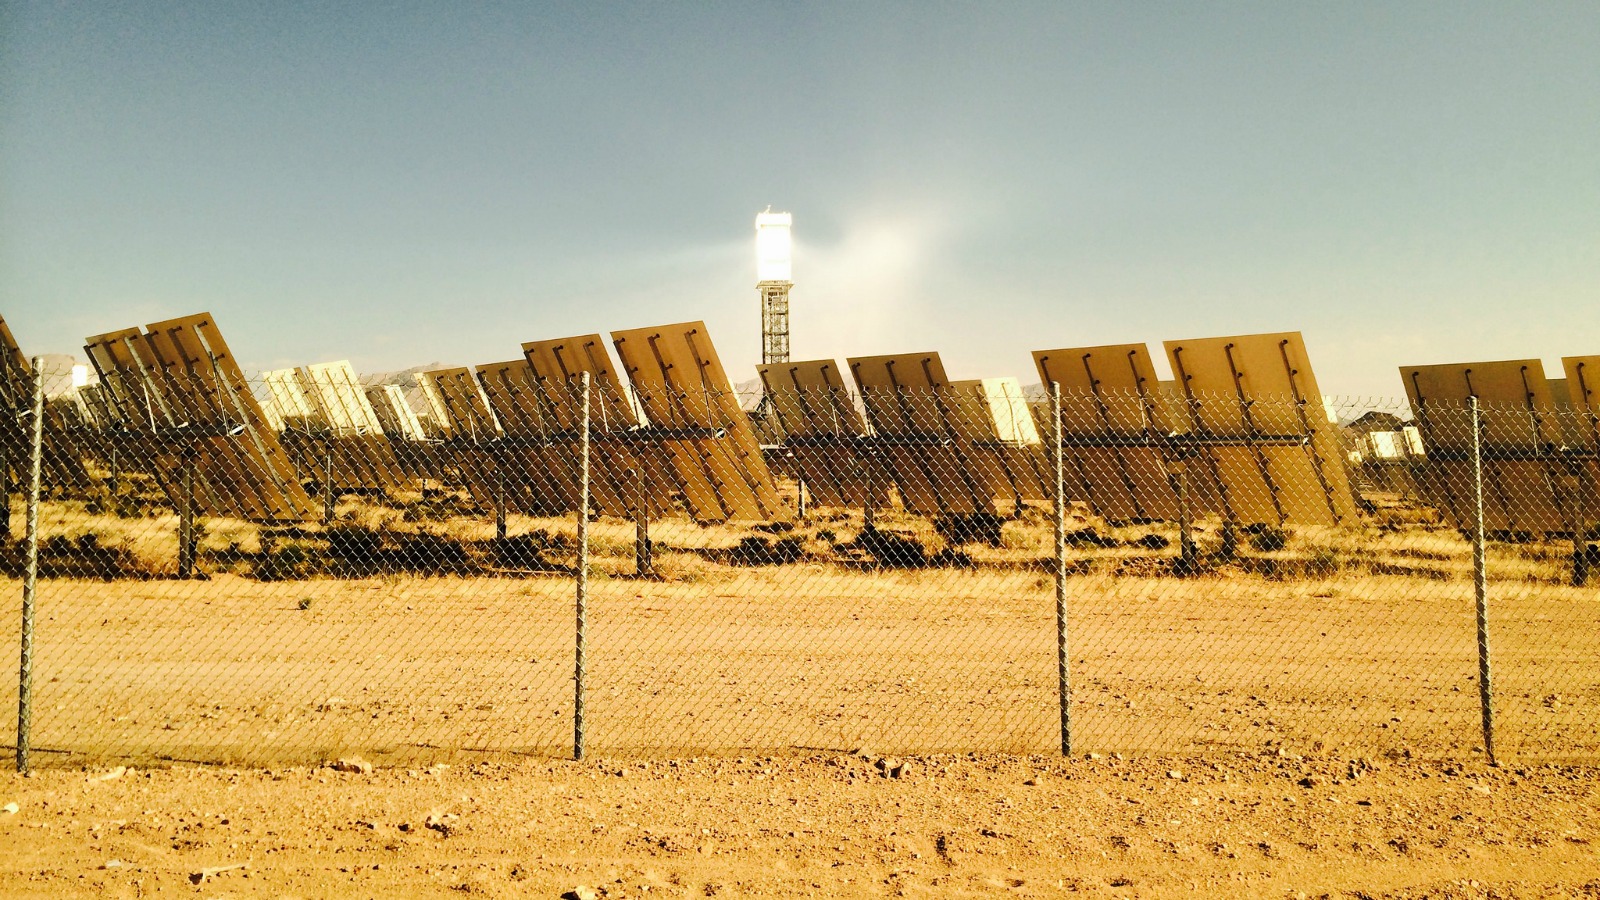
x=1310, y=781
x=353, y=764
x=1032, y=782
x=10, y=808
x=112, y=774
x=112, y=864
x=1174, y=774
x=1093, y=756
x=445, y=825
x=581, y=892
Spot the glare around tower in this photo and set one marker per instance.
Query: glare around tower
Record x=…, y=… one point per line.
x=773, y=271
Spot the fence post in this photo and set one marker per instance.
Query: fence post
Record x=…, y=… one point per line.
x=30, y=578
x=582, y=599
x=1059, y=510
x=1480, y=581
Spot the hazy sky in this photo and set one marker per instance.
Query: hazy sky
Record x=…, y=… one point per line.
x=401, y=183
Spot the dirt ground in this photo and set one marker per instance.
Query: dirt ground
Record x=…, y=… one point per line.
x=1302, y=722
x=799, y=658
x=1265, y=824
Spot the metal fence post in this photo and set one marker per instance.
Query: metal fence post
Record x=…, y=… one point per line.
x=582, y=599
x=30, y=578
x=1480, y=580
x=1059, y=511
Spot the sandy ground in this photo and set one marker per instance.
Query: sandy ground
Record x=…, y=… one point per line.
x=1267, y=824
x=798, y=659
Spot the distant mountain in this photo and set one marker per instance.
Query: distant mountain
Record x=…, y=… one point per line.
x=403, y=377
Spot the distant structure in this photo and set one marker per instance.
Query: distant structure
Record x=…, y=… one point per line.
x=772, y=281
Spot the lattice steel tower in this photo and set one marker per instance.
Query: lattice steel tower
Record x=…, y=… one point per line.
x=772, y=281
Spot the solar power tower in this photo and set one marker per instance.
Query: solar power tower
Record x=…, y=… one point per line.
x=773, y=272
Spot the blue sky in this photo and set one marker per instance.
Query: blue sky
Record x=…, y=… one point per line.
x=402, y=183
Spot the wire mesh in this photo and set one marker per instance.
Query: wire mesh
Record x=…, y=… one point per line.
x=1239, y=572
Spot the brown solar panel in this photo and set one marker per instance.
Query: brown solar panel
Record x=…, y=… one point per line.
x=1255, y=395
x=823, y=429
x=992, y=414
x=539, y=456
x=1583, y=391
x=621, y=469
x=408, y=437
x=1521, y=429
x=917, y=436
x=177, y=388
x=468, y=428
x=1115, y=418
x=681, y=386
x=324, y=410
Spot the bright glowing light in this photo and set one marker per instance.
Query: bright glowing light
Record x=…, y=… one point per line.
x=80, y=376
x=773, y=246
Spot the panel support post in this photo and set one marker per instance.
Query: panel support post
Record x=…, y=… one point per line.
x=1188, y=555
x=500, y=497
x=30, y=577
x=1480, y=582
x=800, y=490
x=1059, y=514
x=1580, y=530
x=581, y=632
x=327, y=482
x=642, y=566
x=186, y=542
x=868, y=517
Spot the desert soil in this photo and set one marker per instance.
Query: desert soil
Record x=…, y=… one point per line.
x=1264, y=824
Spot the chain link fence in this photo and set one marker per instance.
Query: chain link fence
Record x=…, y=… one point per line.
x=281, y=571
